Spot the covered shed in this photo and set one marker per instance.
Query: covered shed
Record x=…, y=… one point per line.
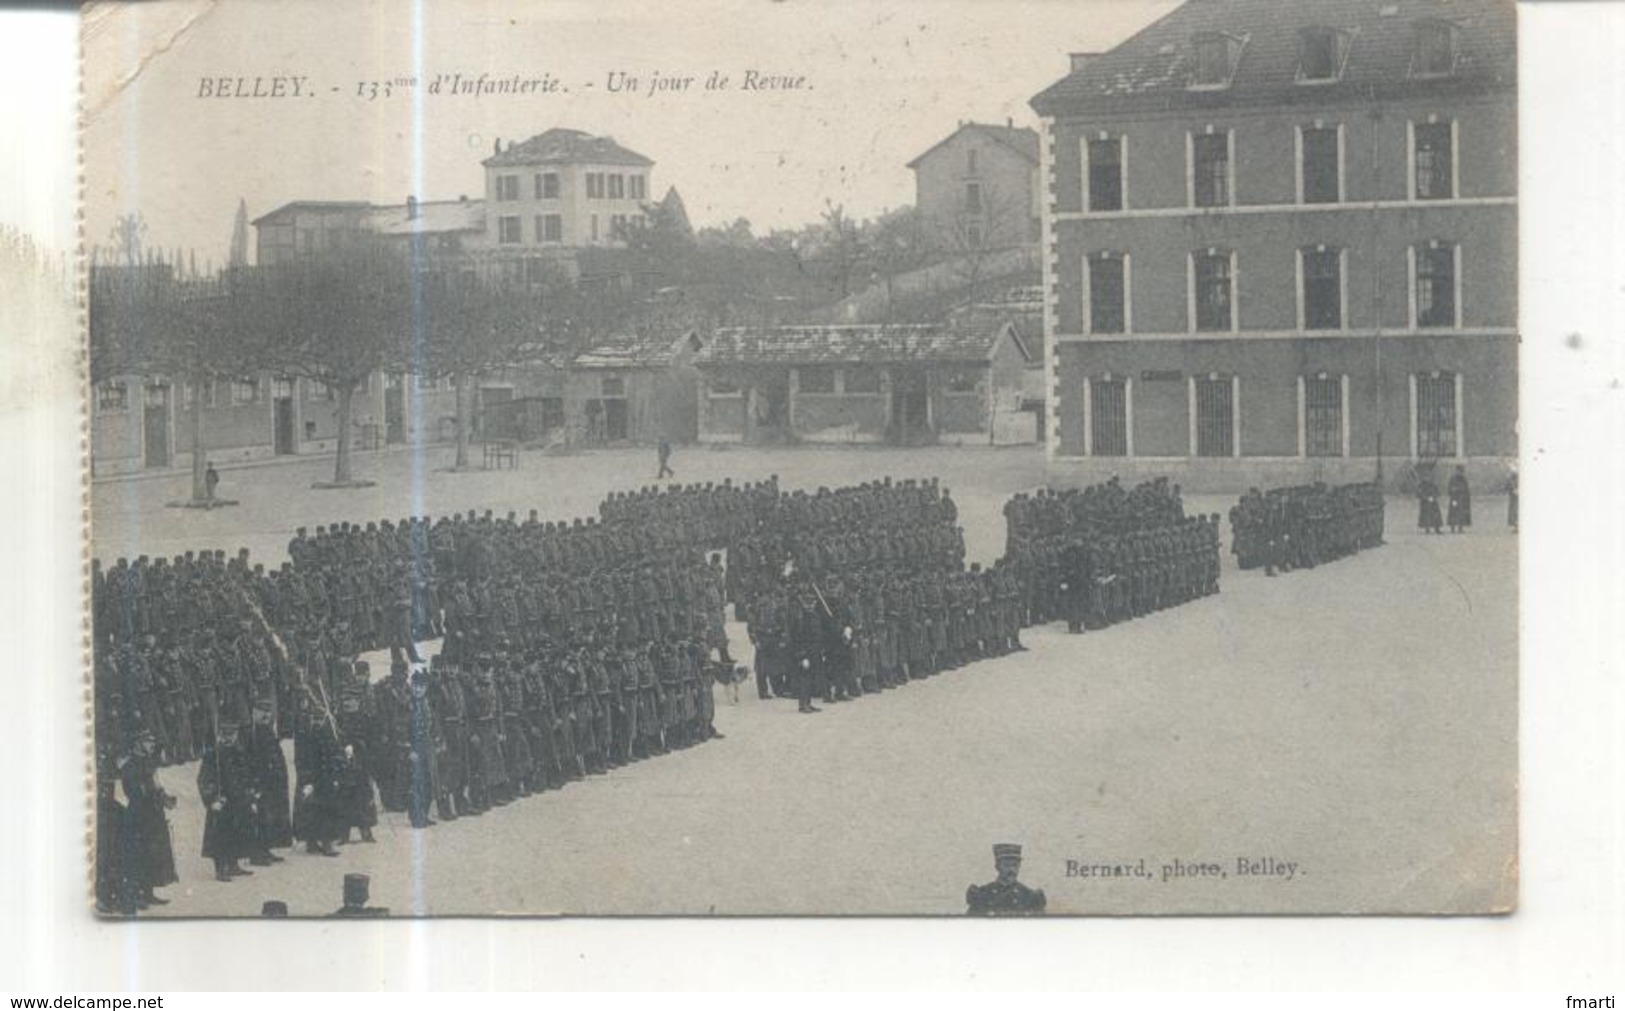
x=911, y=384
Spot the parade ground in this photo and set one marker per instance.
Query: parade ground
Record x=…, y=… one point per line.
x=1331, y=740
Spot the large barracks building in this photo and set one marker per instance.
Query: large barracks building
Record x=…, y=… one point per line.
x=1280, y=242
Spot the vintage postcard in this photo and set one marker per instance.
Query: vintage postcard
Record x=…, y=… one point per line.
x=803, y=458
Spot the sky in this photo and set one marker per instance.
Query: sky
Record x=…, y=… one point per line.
x=882, y=83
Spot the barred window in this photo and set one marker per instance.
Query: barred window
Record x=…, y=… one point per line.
x=1215, y=420
x=1435, y=416
x=1108, y=417
x=1323, y=415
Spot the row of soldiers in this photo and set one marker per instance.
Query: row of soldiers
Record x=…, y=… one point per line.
x=1102, y=554
x=1301, y=526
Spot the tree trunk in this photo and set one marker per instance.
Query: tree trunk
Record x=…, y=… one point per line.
x=465, y=414
x=341, y=461
x=200, y=454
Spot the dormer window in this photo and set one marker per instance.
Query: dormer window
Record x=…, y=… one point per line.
x=1435, y=54
x=1321, y=54
x=1216, y=56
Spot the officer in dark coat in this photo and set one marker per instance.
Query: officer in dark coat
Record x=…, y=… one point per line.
x=226, y=785
x=1004, y=896
x=150, y=852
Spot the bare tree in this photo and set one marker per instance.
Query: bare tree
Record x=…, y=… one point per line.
x=983, y=228
x=336, y=319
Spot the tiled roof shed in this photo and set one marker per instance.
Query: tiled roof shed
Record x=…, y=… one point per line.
x=636, y=351
x=1152, y=69
x=879, y=344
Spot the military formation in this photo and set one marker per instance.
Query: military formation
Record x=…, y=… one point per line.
x=571, y=648
x=1300, y=527
x=857, y=590
x=1103, y=554
x=568, y=649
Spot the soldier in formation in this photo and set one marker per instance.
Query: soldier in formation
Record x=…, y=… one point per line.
x=1103, y=554
x=1302, y=526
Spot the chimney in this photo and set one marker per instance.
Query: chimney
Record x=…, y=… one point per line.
x=1009, y=122
x=411, y=208
x=496, y=146
x=1081, y=60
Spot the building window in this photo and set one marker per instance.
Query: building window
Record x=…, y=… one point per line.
x=1323, y=415
x=1214, y=58
x=860, y=380
x=815, y=379
x=1322, y=272
x=156, y=395
x=1215, y=416
x=1106, y=174
x=637, y=186
x=1214, y=290
x=1436, y=285
x=112, y=396
x=1433, y=146
x=595, y=185
x=282, y=386
x=245, y=391
x=508, y=230
x=1107, y=295
x=1108, y=417
x=973, y=198
x=617, y=186
x=973, y=234
x=507, y=187
x=1210, y=169
x=961, y=381
x=1435, y=416
x=1321, y=52
x=315, y=389
x=1322, y=164
x=547, y=185
x=1435, y=54
x=612, y=386
x=549, y=228
x=720, y=387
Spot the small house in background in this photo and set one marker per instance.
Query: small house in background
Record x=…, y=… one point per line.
x=978, y=187
x=881, y=383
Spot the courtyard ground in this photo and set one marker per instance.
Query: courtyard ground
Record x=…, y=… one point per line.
x=1345, y=734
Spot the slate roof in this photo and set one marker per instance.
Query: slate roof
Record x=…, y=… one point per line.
x=561, y=146
x=1020, y=139
x=876, y=344
x=1152, y=69
x=633, y=351
x=433, y=216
